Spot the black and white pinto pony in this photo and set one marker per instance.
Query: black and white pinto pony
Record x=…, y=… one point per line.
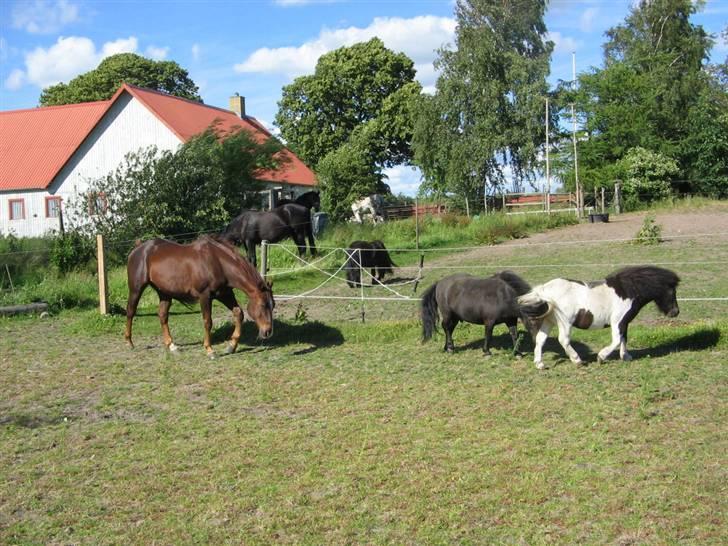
x=371, y=255
x=462, y=297
x=612, y=302
x=370, y=208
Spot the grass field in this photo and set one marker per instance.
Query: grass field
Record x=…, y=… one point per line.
x=340, y=432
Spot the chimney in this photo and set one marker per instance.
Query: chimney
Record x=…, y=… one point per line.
x=237, y=105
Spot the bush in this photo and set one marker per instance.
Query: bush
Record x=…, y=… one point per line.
x=71, y=251
x=646, y=176
x=649, y=233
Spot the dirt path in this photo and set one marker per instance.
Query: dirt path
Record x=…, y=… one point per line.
x=711, y=220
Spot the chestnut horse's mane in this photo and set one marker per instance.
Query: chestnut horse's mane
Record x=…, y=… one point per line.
x=231, y=250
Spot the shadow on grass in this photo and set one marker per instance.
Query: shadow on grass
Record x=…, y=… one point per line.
x=30, y=421
x=316, y=334
x=700, y=340
x=505, y=343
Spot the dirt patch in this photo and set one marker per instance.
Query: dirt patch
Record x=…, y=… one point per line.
x=680, y=225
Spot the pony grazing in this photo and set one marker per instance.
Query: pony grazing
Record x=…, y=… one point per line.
x=203, y=270
x=462, y=297
x=311, y=200
x=252, y=227
x=367, y=255
x=613, y=302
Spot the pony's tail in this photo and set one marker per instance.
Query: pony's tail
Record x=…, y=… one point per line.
x=429, y=312
x=534, y=306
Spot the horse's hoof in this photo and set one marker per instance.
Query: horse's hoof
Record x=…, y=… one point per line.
x=230, y=350
x=487, y=354
x=627, y=357
x=579, y=362
x=540, y=366
x=518, y=356
x=600, y=360
x=211, y=355
x=173, y=348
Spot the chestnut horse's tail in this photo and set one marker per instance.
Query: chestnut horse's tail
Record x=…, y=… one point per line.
x=429, y=312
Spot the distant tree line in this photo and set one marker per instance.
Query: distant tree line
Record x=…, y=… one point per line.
x=654, y=115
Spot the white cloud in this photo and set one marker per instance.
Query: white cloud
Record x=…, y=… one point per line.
x=196, y=52
x=157, y=53
x=15, y=80
x=418, y=37
x=43, y=16
x=563, y=44
x=68, y=58
x=586, y=20
x=402, y=179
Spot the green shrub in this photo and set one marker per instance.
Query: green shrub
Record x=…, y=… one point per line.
x=649, y=233
x=71, y=251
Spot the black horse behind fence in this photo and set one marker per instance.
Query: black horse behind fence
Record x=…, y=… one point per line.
x=462, y=297
x=289, y=220
x=367, y=255
x=311, y=200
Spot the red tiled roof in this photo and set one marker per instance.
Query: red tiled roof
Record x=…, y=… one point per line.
x=187, y=118
x=36, y=143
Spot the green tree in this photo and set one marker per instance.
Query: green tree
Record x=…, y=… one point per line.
x=652, y=92
x=351, y=86
x=646, y=176
x=196, y=188
x=345, y=174
x=487, y=114
x=102, y=82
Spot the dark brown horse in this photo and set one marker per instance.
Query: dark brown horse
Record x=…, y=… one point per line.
x=203, y=270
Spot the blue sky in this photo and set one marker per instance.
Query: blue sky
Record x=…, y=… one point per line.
x=255, y=47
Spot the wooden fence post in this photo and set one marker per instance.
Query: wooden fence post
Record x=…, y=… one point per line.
x=103, y=285
x=417, y=225
x=618, y=196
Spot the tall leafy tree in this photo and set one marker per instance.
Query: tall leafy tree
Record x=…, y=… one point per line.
x=487, y=115
x=350, y=87
x=102, y=82
x=652, y=92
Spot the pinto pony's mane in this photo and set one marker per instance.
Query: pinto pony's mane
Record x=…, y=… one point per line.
x=642, y=283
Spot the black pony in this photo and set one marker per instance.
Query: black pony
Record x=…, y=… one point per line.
x=311, y=200
x=369, y=255
x=462, y=297
x=251, y=227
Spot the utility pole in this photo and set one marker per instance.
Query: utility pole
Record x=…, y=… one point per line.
x=548, y=172
x=579, y=197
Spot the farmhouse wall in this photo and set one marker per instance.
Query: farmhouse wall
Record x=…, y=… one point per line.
x=127, y=127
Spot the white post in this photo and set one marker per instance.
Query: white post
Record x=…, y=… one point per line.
x=579, y=196
x=548, y=172
x=263, y=258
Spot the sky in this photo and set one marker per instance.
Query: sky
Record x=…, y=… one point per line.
x=255, y=47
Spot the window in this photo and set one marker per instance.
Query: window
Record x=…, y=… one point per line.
x=53, y=207
x=96, y=203
x=17, y=209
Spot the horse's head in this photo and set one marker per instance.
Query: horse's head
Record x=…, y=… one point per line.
x=316, y=201
x=667, y=302
x=260, y=309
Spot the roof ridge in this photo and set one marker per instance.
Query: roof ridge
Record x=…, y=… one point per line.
x=176, y=97
x=56, y=107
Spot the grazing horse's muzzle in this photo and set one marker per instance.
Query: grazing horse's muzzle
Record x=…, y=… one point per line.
x=265, y=334
x=672, y=313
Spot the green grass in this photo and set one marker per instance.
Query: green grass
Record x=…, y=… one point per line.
x=337, y=432
x=344, y=433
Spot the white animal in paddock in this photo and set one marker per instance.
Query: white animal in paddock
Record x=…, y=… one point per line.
x=612, y=302
x=370, y=208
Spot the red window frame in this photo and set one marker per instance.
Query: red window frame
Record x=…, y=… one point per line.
x=55, y=198
x=10, y=208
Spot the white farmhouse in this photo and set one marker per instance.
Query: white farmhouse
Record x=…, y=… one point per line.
x=48, y=155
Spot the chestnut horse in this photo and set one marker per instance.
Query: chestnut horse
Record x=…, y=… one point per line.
x=203, y=270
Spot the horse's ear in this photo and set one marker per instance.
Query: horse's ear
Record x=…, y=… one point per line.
x=270, y=284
